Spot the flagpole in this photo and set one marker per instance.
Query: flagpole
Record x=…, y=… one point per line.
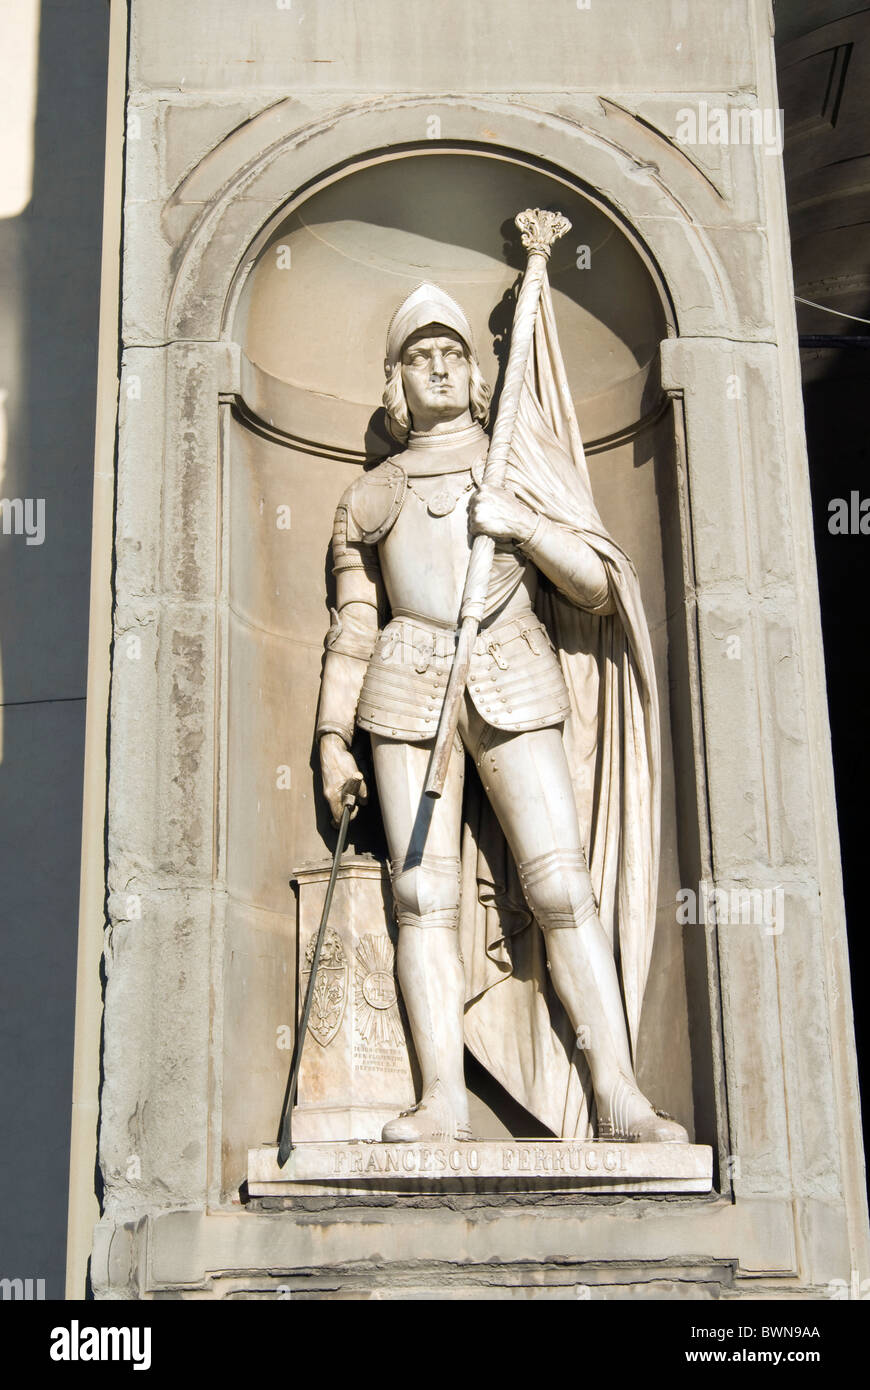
x=539, y=229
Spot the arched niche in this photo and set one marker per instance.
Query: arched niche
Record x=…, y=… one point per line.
x=363, y=242
x=309, y=321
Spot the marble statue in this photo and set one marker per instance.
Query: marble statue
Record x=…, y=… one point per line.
x=525, y=895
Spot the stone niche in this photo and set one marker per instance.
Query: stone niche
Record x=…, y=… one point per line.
x=309, y=325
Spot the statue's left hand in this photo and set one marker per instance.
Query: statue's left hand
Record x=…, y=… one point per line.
x=498, y=513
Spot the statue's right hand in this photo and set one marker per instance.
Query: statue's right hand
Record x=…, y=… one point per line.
x=339, y=771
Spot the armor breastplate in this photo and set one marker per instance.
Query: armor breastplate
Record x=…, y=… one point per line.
x=424, y=556
x=421, y=522
x=373, y=503
x=424, y=559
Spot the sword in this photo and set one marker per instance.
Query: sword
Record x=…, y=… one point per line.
x=539, y=229
x=285, y=1141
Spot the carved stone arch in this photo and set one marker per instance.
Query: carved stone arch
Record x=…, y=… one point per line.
x=661, y=198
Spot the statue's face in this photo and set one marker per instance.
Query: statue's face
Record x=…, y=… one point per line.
x=436, y=376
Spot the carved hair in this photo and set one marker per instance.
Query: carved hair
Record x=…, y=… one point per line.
x=396, y=405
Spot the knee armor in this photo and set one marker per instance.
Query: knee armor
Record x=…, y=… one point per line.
x=558, y=888
x=426, y=890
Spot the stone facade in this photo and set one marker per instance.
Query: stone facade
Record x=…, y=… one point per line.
x=289, y=176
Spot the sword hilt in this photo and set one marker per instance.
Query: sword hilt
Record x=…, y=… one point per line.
x=351, y=791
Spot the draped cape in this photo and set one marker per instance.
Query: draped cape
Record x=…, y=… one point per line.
x=514, y=1022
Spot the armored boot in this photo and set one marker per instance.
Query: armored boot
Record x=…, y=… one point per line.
x=584, y=974
x=433, y=989
x=559, y=891
x=433, y=1117
x=630, y=1118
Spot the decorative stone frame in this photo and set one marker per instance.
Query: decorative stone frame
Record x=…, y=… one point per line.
x=788, y=1215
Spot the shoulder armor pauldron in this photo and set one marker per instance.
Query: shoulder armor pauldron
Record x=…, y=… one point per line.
x=374, y=502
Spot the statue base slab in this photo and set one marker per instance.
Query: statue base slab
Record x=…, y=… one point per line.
x=496, y=1165
x=313, y=1124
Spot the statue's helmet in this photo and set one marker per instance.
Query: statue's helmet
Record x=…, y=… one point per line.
x=427, y=304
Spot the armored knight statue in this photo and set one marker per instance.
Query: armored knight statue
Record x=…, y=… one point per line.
x=525, y=895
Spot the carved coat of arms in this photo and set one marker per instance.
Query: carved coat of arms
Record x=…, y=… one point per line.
x=330, y=988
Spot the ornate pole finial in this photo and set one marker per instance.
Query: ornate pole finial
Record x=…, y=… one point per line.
x=540, y=228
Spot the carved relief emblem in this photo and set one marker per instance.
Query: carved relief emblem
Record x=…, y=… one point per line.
x=330, y=988
x=374, y=991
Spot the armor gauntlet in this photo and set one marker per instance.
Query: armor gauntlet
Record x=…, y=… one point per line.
x=351, y=638
x=574, y=567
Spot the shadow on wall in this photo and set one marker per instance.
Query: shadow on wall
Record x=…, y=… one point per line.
x=823, y=67
x=50, y=271
x=835, y=411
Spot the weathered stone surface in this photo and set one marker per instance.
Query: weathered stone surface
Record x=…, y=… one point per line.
x=586, y=1236
x=153, y=1150
x=216, y=696
x=570, y=52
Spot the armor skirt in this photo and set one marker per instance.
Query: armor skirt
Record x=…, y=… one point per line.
x=515, y=679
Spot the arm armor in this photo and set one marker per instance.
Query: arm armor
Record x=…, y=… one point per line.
x=574, y=567
x=351, y=638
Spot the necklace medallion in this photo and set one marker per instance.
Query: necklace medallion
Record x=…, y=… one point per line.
x=443, y=500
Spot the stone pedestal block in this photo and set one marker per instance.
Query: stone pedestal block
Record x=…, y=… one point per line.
x=355, y=1073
